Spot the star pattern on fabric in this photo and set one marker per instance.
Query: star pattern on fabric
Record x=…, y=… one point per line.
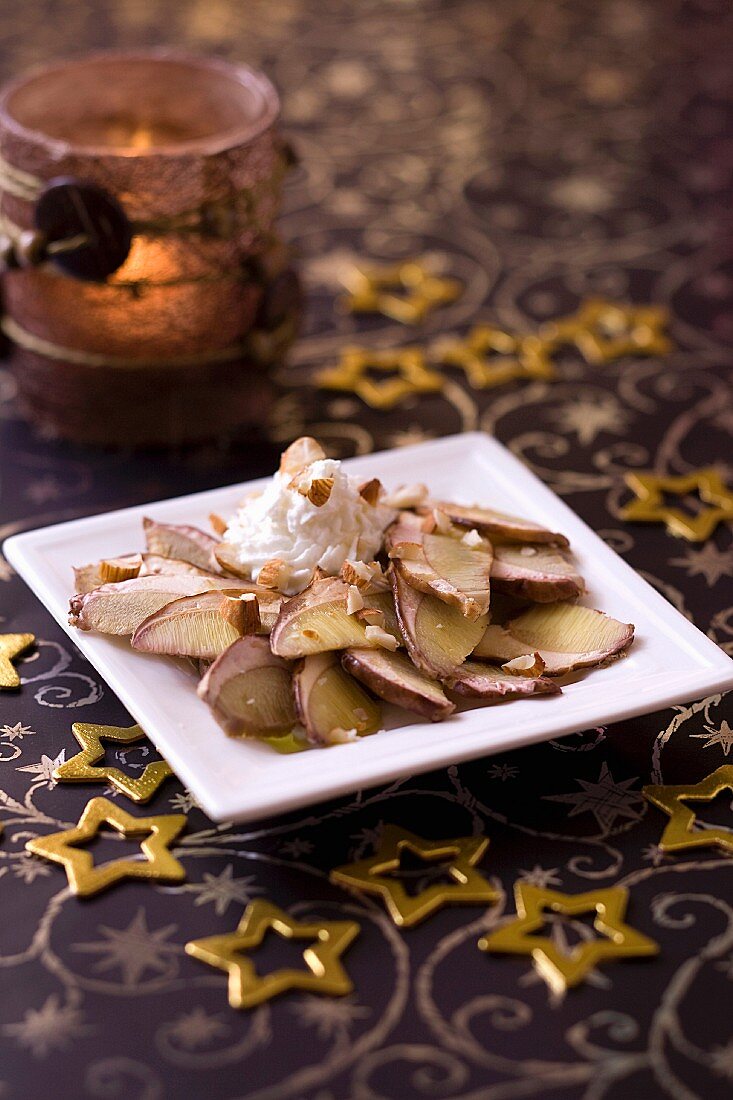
x=53, y=1026
x=682, y=831
x=563, y=969
x=489, y=356
x=588, y=418
x=132, y=950
x=607, y=799
x=709, y=562
x=84, y=877
x=376, y=874
x=406, y=368
x=84, y=767
x=222, y=889
x=649, y=506
x=323, y=972
x=604, y=331
x=11, y=646
x=406, y=292
x=722, y=737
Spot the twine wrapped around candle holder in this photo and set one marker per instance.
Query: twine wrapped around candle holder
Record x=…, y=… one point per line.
x=173, y=345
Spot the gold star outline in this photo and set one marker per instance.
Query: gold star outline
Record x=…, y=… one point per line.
x=374, y=875
x=11, y=646
x=649, y=506
x=406, y=292
x=561, y=970
x=84, y=877
x=489, y=356
x=324, y=973
x=81, y=769
x=680, y=832
x=410, y=375
x=603, y=331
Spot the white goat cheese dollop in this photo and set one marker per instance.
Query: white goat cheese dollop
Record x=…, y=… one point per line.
x=281, y=523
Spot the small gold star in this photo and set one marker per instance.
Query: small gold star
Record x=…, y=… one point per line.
x=680, y=832
x=406, y=292
x=11, y=645
x=375, y=874
x=325, y=974
x=86, y=879
x=649, y=506
x=561, y=970
x=80, y=769
x=603, y=331
x=407, y=365
x=491, y=357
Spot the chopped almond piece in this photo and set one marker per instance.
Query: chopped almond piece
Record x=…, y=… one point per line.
x=371, y=490
x=218, y=524
x=120, y=569
x=529, y=664
x=251, y=623
x=300, y=454
x=354, y=600
x=316, y=489
x=377, y=635
x=407, y=496
x=274, y=574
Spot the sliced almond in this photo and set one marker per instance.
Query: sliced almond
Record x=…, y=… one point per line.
x=437, y=635
x=172, y=540
x=328, y=700
x=354, y=600
x=301, y=453
x=249, y=690
x=544, y=576
x=497, y=525
x=194, y=626
x=492, y=684
x=218, y=524
x=120, y=569
x=394, y=678
x=275, y=573
x=530, y=664
x=316, y=489
x=378, y=636
x=371, y=490
x=444, y=567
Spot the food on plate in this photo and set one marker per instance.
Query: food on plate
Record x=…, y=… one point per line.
x=324, y=595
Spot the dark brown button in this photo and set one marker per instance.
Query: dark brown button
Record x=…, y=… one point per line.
x=87, y=231
x=282, y=298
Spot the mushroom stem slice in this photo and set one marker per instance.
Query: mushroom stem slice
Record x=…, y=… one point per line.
x=497, y=525
x=438, y=637
x=249, y=690
x=542, y=574
x=194, y=626
x=317, y=620
x=569, y=636
x=443, y=566
x=394, y=678
x=172, y=540
x=330, y=703
x=491, y=683
x=120, y=607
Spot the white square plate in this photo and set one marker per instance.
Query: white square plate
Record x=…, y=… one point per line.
x=671, y=661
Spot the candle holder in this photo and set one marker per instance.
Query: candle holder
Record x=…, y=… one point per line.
x=146, y=291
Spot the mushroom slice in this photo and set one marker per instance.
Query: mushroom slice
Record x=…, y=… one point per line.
x=156, y=563
x=497, y=525
x=438, y=637
x=443, y=566
x=568, y=636
x=330, y=703
x=489, y=682
x=190, y=544
x=88, y=577
x=542, y=574
x=120, y=607
x=497, y=644
x=316, y=621
x=194, y=626
x=384, y=602
x=250, y=690
x=393, y=677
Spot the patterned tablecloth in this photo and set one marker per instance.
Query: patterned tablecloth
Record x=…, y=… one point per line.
x=543, y=153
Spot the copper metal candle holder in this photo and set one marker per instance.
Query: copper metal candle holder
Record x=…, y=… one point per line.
x=146, y=291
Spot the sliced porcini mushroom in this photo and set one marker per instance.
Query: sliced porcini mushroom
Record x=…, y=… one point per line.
x=89, y=576
x=318, y=620
x=497, y=525
x=120, y=607
x=172, y=540
x=301, y=453
x=194, y=626
x=250, y=690
x=384, y=602
x=331, y=705
x=156, y=563
x=489, y=682
x=438, y=637
x=540, y=573
x=567, y=636
x=442, y=566
x=120, y=569
x=394, y=678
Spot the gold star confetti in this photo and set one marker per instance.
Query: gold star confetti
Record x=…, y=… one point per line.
x=680, y=832
x=491, y=357
x=406, y=292
x=84, y=877
x=375, y=874
x=406, y=365
x=603, y=331
x=11, y=645
x=649, y=507
x=324, y=973
x=81, y=769
x=561, y=970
